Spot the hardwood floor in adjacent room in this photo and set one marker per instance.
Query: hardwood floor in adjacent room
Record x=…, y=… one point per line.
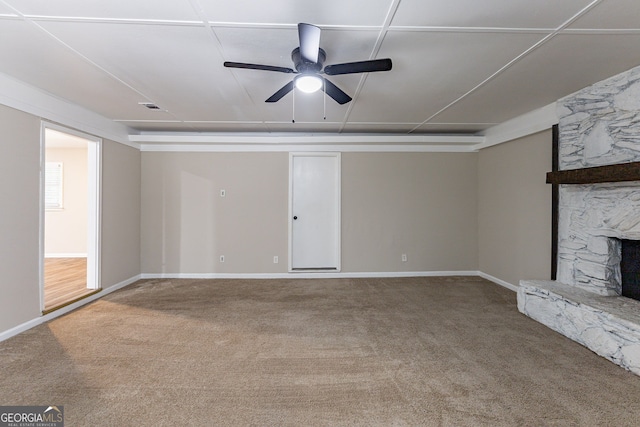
x=65, y=280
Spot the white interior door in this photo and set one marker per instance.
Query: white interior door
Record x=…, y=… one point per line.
x=314, y=211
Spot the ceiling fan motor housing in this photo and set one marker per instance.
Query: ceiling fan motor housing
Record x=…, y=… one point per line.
x=307, y=67
x=308, y=59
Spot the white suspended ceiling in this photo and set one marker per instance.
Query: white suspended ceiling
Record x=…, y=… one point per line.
x=460, y=67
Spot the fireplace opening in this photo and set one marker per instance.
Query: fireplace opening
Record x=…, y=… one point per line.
x=630, y=268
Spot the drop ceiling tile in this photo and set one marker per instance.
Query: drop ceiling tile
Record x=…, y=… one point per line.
x=112, y=9
x=109, y=67
x=227, y=127
x=612, y=14
x=431, y=70
x=396, y=128
x=564, y=65
x=487, y=13
x=307, y=108
x=327, y=12
x=40, y=61
x=159, y=126
x=304, y=127
x=453, y=128
x=348, y=45
x=179, y=68
x=7, y=11
x=195, y=126
x=273, y=46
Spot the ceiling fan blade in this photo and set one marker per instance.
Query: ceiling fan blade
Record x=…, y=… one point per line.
x=281, y=92
x=309, y=36
x=258, y=67
x=335, y=92
x=359, y=67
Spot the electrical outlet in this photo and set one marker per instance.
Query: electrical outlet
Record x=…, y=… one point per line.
x=223, y=193
x=221, y=258
x=404, y=257
x=275, y=259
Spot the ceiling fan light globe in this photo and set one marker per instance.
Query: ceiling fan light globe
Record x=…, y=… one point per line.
x=308, y=83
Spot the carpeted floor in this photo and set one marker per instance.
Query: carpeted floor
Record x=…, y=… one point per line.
x=391, y=352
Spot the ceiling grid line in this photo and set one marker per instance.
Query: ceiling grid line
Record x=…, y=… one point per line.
x=441, y=29
x=513, y=61
x=113, y=21
x=83, y=57
x=219, y=46
x=393, y=8
x=459, y=66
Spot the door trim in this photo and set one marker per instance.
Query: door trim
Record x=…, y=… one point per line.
x=94, y=205
x=337, y=213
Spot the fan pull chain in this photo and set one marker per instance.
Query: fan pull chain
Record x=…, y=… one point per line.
x=293, y=104
x=324, y=97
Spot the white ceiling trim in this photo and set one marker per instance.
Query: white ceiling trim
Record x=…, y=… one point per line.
x=185, y=142
x=527, y=124
x=369, y=148
x=18, y=95
x=288, y=138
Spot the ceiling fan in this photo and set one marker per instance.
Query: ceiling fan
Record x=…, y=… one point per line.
x=308, y=61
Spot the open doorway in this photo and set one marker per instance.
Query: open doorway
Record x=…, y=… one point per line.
x=70, y=199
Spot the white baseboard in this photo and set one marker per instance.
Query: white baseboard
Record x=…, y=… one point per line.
x=66, y=255
x=305, y=275
x=327, y=275
x=64, y=310
x=500, y=282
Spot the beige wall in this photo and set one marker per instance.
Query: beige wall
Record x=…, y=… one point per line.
x=19, y=217
x=120, y=236
x=421, y=204
x=514, y=209
x=186, y=225
x=162, y=212
x=66, y=229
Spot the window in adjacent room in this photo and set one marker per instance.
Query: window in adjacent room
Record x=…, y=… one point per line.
x=53, y=185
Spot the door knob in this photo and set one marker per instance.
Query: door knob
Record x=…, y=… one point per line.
x=295, y=217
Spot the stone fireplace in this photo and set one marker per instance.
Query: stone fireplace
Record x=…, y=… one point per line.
x=630, y=269
x=598, y=126
x=592, y=220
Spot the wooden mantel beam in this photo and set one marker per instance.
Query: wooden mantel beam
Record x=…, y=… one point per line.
x=599, y=174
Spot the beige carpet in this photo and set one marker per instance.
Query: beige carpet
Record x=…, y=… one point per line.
x=388, y=352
